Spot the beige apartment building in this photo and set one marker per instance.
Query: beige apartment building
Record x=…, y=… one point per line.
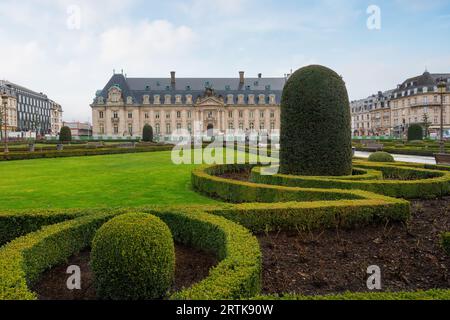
x=10, y=118
x=417, y=97
x=56, y=117
x=391, y=113
x=171, y=105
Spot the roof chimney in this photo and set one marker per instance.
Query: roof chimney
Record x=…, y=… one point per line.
x=241, y=77
x=172, y=77
x=259, y=75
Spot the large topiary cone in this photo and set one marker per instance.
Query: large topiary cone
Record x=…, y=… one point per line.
x=315, y=124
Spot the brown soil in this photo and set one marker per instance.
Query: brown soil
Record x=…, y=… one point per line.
x=335, y=261
x=192, y=266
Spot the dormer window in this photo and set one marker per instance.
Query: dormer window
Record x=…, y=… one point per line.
x=178, y=99
x=115, y=94
x=425, y=89
x=262, y=99
x=157, y=99
x=146, y=99
x=100, y=100
x=272, y=99
x=251, y=99
x=189, y=99
x=167, y=99
x=230, y=99
x=129, y=100
x=241, y=99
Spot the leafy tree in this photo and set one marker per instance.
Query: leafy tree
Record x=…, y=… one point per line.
x=426, y=125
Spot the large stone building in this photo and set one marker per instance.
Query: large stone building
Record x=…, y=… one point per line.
x=371, y=116
x=416, y=100
x=8, y=116
x=34, y=111
x=215, y=105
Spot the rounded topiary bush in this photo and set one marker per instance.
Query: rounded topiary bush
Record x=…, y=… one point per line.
x=147, y=133
x=381, y=157
x=415, y=132
x=315, y=124
x=133, y=258
x=65, y=134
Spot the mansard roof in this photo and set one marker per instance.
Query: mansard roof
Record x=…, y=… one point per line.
x=427, y=79
x=138, y=87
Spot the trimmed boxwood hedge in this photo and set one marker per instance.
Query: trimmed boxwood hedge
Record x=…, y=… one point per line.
x=381, y=156
x=237, y=276
x=79, y=152
x=405, y=181
x=415, y=132
x=133, y=258
x=315, y=135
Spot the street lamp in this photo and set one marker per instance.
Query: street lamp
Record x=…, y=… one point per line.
x=5, y=118
x=442, y=88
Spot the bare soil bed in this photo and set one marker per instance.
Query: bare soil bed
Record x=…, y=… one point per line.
x=410, y=256
x=192, y=266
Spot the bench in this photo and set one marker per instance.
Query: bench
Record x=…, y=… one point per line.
x=375, y=146
x=129, y=145
x=442, y=158
x=94, y=145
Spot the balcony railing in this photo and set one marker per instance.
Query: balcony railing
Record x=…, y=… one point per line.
x=115, y=120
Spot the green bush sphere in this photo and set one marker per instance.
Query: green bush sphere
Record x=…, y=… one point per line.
x=133, y=258
x=65, y=135
x=415, y=132
x=315, y=124
x=381, y=157
x=147, y=133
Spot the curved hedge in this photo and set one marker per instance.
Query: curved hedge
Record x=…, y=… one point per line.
x=133, y=258
x=415, y=132
x=237, y=276
x=315, y=135
x=401, y=181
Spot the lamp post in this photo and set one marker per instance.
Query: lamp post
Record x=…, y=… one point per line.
x=442, y=87
x=5, y=119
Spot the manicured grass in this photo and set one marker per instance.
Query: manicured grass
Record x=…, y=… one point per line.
x=124, y=180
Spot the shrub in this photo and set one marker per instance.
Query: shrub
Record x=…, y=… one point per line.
x=133, y=258
x=415, y=132
x=65, y=135
x=147, y=133
x=315, y=124
x=381, y=156
x=446, y=242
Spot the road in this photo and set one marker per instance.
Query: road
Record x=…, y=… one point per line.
x=402, y=158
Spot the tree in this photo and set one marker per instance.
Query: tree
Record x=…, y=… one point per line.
x=147, y=133
x=415, y=132
x=315, y=124
x=426, y=125
x=65, y=135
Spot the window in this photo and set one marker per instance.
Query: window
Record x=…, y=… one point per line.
x=189, y=114
x=167, y=115
x=178, y=99
x=230, y=99
x=252, y=125
x=230, y=114
x=179, y=114
x=230, y=126
x=102, y=129
x=116, y=129
x=158, y=128
x=130, y=129
x=262, y=114
x=262, y=99
x=272, y=126
x=262, y=126
x=251, y=99
x=241, y=114
x=252, y=114
x=189, y=99
x=157, y=99
x=178, y=127
x=115, y=115
x=146, y=116
x=241, y=99
x=157, y=115
x=272, y=114
x=130, y=115
x=100, y=114
x=168, y=129
x=241, y=126
x=167, y=99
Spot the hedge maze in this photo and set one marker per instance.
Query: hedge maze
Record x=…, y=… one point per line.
x=34, y=242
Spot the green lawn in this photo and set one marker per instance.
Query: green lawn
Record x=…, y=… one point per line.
x=102, y=181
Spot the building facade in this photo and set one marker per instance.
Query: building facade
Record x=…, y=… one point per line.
x=56, y=119
x=34, y=110
x=8, y=115
x=79, y=129
x=170, y=105
x=415, y=101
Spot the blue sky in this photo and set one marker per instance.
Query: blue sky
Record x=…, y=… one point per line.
x=43, y=50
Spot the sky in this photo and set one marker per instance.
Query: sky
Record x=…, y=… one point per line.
x=68, y=49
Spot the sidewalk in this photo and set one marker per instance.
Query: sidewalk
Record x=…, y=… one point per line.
x=402, y=158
